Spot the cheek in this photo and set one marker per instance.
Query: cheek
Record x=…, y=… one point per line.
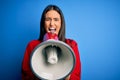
x=46, y=25
x=58, y=29
x=59, y=26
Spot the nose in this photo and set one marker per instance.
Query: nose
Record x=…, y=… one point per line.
x=51, y=22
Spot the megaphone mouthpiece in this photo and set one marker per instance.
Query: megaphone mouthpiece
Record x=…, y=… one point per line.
x=49, y=35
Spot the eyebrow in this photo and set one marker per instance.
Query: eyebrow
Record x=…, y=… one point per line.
x=50, y=18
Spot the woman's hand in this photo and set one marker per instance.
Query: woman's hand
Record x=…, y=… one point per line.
x=67, y=78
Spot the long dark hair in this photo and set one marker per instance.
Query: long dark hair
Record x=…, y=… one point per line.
x=61, y=34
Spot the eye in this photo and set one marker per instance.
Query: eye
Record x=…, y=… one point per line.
x=47, y=19
x=56, y=19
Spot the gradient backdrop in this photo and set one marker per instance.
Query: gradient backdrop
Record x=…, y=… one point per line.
x=94, y=24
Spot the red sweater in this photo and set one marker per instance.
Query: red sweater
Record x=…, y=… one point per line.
x=26, y=70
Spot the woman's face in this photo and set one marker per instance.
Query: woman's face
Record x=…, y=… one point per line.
x=52, y=22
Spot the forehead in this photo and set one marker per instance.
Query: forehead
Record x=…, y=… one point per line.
x=52, y=13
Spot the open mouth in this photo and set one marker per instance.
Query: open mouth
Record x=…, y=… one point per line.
x=52, y=30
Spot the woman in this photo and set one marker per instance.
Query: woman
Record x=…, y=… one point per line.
x=52, y=21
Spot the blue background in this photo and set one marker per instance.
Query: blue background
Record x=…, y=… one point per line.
x=94, y=24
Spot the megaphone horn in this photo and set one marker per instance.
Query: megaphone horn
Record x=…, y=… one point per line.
x=52, y=60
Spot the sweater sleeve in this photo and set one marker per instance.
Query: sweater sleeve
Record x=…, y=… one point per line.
x=76, y=73
x=26, y=71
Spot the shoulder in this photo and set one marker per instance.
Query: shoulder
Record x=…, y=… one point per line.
x=34, y=43
x=71, y=42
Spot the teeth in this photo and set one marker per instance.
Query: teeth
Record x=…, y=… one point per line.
x=52, y=28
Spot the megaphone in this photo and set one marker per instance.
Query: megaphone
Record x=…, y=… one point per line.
x=52, y=60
